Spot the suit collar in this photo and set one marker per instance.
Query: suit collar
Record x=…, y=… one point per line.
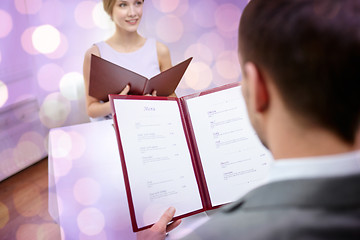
x=334, y=193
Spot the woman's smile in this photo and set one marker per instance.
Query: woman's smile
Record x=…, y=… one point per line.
x=132, y=21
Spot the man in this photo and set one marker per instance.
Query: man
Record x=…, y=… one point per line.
x=301, y=83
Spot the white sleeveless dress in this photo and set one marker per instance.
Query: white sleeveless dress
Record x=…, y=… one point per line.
x=143, y=61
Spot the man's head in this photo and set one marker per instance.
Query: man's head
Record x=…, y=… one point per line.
x=310, y=49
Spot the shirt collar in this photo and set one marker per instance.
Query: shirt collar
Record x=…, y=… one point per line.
x=313, y=167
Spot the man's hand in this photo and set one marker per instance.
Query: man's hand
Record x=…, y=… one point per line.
x=160, y=228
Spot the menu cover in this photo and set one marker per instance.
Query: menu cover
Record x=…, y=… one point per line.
x=194, y=153
x=108, y=78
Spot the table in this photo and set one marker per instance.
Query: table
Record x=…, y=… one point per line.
x=86, y=186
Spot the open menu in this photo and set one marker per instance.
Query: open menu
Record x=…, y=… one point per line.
x=194, y=153
x=108, y=78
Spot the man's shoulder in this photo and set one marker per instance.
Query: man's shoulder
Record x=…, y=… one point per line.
x=325, y=192
x=290, y=209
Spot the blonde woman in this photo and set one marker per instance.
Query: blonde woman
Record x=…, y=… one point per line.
x=127, y=48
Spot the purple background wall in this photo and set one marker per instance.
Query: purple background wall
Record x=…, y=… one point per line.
x=42, y=44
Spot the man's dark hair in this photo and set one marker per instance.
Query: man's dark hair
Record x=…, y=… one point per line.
x=311, y=49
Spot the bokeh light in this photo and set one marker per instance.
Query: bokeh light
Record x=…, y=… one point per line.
x=169, y=28
x=203, y=13
x=79, y=145
x=182, y=8
x=60, y=152
x=7, y=167
x=32, y=191
x=25, y=152
x=198, y=76
x=101, y=19
x=199, y=52
x=227, y=17
x=61, y=143
x=213, y=41
x=52, y=12
x=91, y=221
x=4, y=93
x=4, y=213
x=71, y=86
x=6, y=23
x=100, y=236
x=34, y=137
x=27, y=231
x=61, y=50
x=62, y=166
x=166, y=6
x=82, y=16
x=28, y=6
x=227, y=65
x=47, y=231
x=49, y=77
x=26, y=41
x=87, y=191
x=55, y=110
x=46, y=39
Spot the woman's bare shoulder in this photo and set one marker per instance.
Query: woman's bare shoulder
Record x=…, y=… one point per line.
x=162, y=49
x=164, y=58
x=92, y=50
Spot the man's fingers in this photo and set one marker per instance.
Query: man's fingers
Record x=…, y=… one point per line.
x=160, y=228
x=173, y=225
x=153, y=93
x=164, y=219
x=167, y=216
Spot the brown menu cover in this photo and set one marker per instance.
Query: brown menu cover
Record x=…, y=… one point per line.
x=108, y=78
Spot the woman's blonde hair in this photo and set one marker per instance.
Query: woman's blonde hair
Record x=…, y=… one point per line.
x=109, y=5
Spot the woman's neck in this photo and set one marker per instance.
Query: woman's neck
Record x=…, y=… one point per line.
x=126, y=41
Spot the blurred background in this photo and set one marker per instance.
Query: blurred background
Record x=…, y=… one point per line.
x=42, y=45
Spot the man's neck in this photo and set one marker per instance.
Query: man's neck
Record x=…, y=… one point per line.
x=289, y=139
x=316, y=143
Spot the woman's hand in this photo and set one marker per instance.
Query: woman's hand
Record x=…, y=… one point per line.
x=160, y=228
x=152, y=94
x=126, y=90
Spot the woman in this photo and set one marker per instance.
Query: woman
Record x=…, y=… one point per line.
x=127, y=48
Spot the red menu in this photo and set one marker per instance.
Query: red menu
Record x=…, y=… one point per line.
x=108, y=78
x=194, y=153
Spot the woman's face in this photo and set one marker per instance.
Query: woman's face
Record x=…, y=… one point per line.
x=127, y=14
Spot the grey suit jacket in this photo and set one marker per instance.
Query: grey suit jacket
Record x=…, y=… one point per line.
x=321, y=208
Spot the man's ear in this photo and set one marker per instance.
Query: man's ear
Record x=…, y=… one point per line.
x=259, y=88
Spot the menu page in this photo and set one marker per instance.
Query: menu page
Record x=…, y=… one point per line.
x=157, y=158
x=233, y=159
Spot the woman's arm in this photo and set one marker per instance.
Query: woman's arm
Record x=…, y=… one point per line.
x=164, y=59
x=94, y=107
x=163, y=56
